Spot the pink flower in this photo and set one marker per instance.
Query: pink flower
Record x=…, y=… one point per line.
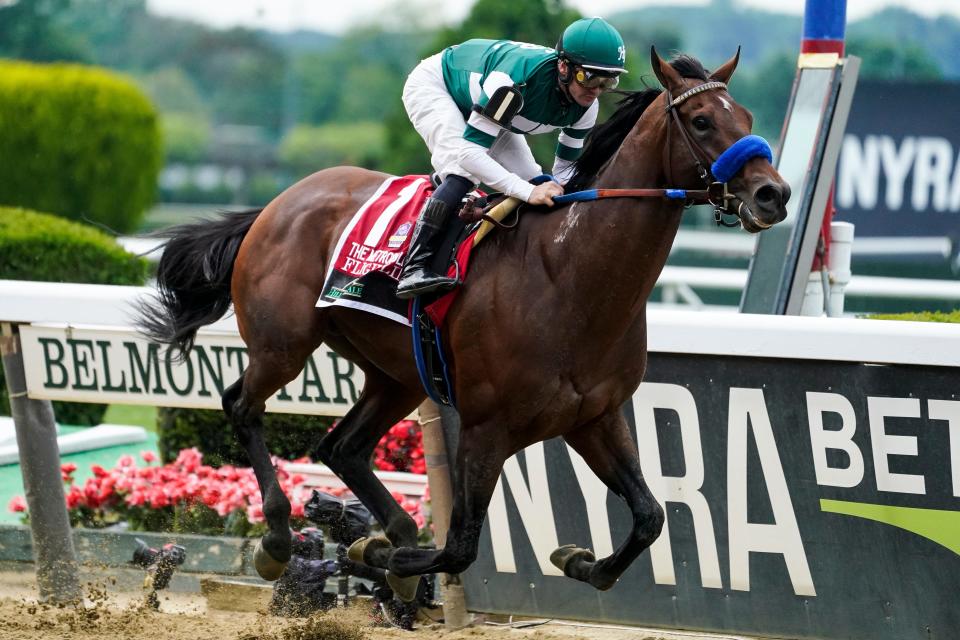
x=128, y=491
x=189, y=459
x=17, y=504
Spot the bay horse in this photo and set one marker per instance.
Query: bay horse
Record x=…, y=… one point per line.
x=548, y=337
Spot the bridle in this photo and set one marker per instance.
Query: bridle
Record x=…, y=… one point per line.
x=717, y=193
x=715, y=178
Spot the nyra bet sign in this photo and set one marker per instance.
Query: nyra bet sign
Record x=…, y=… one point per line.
x=899, y=167
x=803, y=499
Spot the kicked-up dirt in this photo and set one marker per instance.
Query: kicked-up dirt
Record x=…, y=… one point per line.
x=112, y=613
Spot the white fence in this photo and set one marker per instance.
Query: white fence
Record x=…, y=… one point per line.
x=679, y=284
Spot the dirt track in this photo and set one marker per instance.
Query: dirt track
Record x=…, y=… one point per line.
x=110, y=614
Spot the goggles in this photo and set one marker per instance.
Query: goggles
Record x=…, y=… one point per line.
x=593, y=79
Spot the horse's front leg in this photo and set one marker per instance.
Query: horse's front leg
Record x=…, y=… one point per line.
x=606, y=446
x=479, y=462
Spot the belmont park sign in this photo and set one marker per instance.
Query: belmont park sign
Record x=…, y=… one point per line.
x=111, y=365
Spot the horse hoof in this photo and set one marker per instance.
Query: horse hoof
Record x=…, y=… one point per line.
x=266, y=566
x=362, y=550
x=404, y=588
x=569, y=556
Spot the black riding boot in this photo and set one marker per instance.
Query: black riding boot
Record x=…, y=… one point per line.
x=418, y=277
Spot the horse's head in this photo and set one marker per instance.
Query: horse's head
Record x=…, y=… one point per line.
x=710, y=131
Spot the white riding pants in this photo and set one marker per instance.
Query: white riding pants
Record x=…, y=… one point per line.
x=439, y=122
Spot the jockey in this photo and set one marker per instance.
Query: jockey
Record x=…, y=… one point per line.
x=473, y=103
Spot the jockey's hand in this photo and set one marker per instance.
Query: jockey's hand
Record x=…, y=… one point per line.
x=543, y=193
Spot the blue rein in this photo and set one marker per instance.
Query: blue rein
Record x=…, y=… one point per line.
x=724, y=168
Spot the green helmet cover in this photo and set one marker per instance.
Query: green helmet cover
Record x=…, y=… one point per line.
x=593, y=43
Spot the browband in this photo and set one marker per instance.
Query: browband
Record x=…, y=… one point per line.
x=706, y=86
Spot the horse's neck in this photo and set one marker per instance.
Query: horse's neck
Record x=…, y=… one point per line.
x=625, y=242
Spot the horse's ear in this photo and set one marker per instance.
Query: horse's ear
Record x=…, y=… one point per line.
x=665, y=73
x=726, y=69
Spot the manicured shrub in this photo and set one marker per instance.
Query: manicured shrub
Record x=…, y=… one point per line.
x=76, y=141
x=45, y=248
x=40, y=247
x=288, y=436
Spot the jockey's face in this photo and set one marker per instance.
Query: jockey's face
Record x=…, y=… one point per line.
x=580, y=92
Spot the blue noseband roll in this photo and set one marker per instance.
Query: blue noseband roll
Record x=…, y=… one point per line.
x=733, y=159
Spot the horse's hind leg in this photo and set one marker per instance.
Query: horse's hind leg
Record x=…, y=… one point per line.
x=348, y=447
x=608, y=449
x=244, y=403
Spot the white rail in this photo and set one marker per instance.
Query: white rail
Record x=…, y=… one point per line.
x=678, y=285
x=78, y=304
x=740, y=245
x=318, y=476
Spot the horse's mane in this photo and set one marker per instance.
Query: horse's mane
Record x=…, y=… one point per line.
x=604, y=139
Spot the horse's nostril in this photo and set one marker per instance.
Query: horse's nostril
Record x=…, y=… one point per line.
x=768, y=195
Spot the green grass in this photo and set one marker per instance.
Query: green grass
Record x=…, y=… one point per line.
x=921, y=316
x=133, y=414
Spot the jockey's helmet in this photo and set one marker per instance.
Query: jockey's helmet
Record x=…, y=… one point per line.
x=592, y=43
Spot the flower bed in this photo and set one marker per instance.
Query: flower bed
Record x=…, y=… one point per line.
x=401, y=449
x=186, y=496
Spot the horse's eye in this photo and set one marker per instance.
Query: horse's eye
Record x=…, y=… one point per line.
x=701, y=123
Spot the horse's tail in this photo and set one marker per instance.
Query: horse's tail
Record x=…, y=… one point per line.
x=193, y=278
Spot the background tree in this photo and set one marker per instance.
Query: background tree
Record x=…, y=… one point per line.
x=36, y=30
x=887, y=59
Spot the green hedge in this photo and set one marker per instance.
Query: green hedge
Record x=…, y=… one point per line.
x=45, y=248
x=288, y=436
x=77, y=142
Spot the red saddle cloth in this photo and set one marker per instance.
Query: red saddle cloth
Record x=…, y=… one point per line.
x=366, y=265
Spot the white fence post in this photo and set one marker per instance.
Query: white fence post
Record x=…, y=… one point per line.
x=813, y=296
x=841, y=249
